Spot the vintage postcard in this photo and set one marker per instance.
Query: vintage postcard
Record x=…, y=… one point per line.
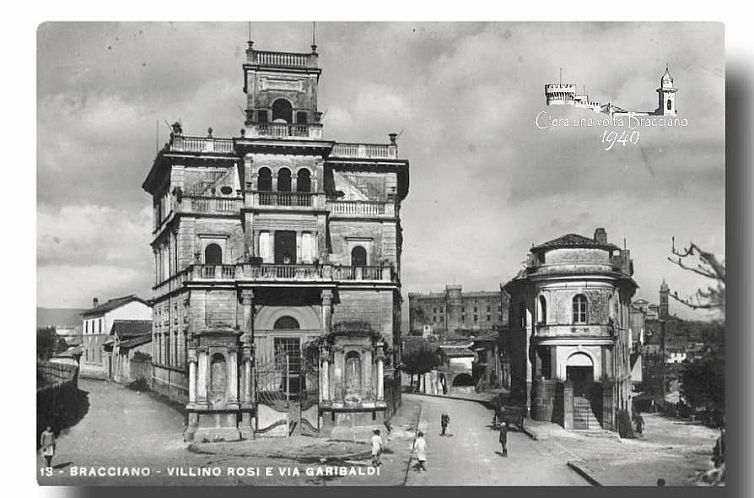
x=381, y=254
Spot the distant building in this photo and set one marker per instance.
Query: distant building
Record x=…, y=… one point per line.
x=566, y=94
x=454, y=312
x=569, y=321
x=128, y=337
x=97, y=323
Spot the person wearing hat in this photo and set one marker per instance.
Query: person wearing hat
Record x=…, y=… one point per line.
x=376, y=448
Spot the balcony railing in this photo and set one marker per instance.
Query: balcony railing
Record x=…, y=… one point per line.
x=362, y=208
x=296, y=273
x=370, y=151
x=292, y=199
x=284, y=130
x=286, y=59
x=201, y=144
x=202, y=204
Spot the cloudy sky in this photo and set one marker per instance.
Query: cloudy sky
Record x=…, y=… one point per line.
x=486, y=182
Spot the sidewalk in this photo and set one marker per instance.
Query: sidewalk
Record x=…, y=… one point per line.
x=675, y=450
x=483, y=397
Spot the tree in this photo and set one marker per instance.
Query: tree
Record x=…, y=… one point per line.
x=703, y=384
x=419, y=357
x=46, y=342
x=707, y=265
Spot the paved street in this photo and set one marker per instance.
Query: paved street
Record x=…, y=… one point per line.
x=470, y=456
x=125, y=429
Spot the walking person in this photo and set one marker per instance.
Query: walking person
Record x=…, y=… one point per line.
x=639, y=424
x=47, y=442
x=376, y=448
x=420, y=450
x=504, y=437
x=444, y=422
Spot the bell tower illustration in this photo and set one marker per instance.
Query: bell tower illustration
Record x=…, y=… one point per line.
x=666, y=94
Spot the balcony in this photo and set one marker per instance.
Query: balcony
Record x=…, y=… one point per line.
x=210, y=205
x=291, y=273
x=367, y=151
x=565, y=331
x=368, y=209
x=283, y=130
x=285, y=200
x=180, y=143
x=281, y=59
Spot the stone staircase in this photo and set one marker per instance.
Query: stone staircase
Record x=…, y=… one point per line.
x=583, y=415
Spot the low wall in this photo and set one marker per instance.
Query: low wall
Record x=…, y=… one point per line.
x=60, y=404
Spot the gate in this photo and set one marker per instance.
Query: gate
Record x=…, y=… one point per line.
x=287, y=395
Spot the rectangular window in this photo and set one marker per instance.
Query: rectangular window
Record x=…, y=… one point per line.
x=475, y=309
x=488, y=318
x=463, y=318
x=463, y=310
x=290, y=347
x=476, y=318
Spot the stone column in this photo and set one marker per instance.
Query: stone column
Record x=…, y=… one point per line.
x=326, y=312
x=232, y=378
x=366, y=377
x=192, y=375
x=247, y=345
x=324, y=375
x=203, y=375
x=380, y=374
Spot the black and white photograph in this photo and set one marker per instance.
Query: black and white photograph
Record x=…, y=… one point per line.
x=381, y=254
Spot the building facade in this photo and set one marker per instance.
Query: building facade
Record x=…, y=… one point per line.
x=569, y=325
x=454, y=311
x=96, y=325
x=277, y=265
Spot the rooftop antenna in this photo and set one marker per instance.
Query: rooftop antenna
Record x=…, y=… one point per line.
x=251, y=43
x=314, y=36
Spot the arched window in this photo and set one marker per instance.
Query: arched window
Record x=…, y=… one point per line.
x=213, y=255
x=579, y=309
x=264, y=180
x=285, y=322
x=303, y=181
x=281, y=109
x=670, y=105
x=358, y=256
x=542, y=311
x=284, y=180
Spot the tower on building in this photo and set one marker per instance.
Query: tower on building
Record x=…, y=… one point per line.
x=666, y=94
x=664, y=304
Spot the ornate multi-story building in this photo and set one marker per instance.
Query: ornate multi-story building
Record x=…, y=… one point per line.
x=569, y=325
x=277, y=265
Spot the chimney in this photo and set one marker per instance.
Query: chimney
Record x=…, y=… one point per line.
x=95, y=302
x=600, y=236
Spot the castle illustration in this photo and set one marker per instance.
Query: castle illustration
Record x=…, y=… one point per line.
x=565, y=94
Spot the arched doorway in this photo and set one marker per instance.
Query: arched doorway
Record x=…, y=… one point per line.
x=282, y=109
x=580, y=371
x=284, y=180
x=264, y=180
x=213, y=255
x=462, y=380
x=303, y=181
x=358, y=256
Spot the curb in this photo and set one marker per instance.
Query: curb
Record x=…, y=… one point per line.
x=411, y=450
x=529, y=433
x=576, y=466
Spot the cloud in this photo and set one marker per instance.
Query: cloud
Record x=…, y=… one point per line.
x=485, y=182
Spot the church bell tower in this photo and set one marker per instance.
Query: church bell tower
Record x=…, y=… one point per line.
x=666, y=94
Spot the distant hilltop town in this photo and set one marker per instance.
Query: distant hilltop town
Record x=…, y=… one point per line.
x=565, y=94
